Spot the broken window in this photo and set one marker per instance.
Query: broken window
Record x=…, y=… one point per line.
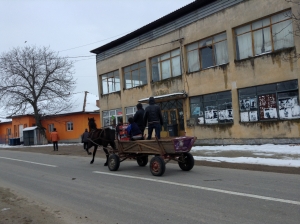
x=207, y=53
x=110, y=82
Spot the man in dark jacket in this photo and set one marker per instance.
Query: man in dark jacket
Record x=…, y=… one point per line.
x=154, y=118
x=138, y=117
x=84, y=139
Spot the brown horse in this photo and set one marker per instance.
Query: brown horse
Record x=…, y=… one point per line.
x=97, y=137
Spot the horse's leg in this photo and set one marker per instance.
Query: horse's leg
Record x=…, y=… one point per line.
x=94, y=153
x=88, y=152
x=107, y=154
x=113, y=145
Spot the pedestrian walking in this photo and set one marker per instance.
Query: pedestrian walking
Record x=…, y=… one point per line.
x=84, y=139
x=54, y=138
x=154, y=118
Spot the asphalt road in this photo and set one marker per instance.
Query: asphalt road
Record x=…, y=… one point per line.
x=84, y=193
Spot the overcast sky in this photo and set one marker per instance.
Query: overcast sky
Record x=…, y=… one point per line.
x=75, y=27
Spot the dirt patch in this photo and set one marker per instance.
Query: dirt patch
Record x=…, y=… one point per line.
x=19, y=210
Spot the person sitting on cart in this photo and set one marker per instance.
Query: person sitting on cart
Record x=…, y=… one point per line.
x=133, y=130
x=118, y=128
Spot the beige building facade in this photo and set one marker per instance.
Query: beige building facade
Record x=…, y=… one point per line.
x=223, y=71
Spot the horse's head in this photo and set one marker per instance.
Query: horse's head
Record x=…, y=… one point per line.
x=91, y=120
x=92, y=123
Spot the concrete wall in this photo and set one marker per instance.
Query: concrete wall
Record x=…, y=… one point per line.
x=265, y=69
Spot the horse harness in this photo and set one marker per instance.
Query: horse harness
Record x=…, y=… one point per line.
x=98, y=137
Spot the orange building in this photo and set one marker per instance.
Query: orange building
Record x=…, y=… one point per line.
x=69, y=125
x=5, y=130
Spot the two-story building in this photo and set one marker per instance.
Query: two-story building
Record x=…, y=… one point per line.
x=223, y=71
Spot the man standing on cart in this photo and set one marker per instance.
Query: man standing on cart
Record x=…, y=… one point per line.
x=138, y=117
x=154, y=118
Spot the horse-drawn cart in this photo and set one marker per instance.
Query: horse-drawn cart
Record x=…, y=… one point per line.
x=164, y=150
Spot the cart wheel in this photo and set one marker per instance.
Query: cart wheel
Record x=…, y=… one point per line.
x=142, y=160
x=186, y=162
x=113, y=162
x=157, y=166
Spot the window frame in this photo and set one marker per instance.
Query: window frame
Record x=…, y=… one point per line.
x=161, y=64
x=113, y=117
x=129, y=114
x=50, y=127
x=69, y=126
x=199, y=49
x=133, y=68
x=276, y=95
x=263, y=27
x=110, y=77
x=213, y=101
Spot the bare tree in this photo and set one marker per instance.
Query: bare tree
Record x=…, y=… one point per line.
x=35, y=81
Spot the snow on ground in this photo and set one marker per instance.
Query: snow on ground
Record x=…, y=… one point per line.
x=268, y=154
x=281, y=155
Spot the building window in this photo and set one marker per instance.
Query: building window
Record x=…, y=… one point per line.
x=135, y=75
x=130, y=111
x=69, y=126
x=207, y=53
x=166, y=65
x=213, y=108
x=264, y=36
x=110, y=82
x=50, y=127
x=8, y=131
x=112, y=117
x=269, y=102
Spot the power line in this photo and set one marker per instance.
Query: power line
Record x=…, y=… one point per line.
x=95, y=42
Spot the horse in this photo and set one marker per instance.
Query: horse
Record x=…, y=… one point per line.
x=97, y=137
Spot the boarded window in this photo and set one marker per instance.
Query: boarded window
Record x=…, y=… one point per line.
x=269, y=102
x=213, y=108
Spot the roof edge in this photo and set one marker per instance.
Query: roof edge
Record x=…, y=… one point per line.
x=157, y=23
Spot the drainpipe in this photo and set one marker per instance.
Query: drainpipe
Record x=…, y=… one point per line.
x=185, y=83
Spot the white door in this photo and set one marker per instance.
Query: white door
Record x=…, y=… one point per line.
x=21, y=132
